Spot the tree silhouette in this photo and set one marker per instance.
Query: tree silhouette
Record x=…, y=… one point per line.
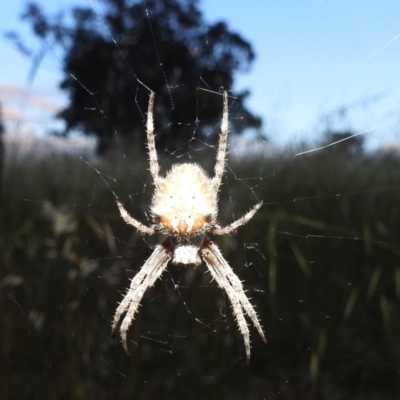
x=168, y=46
x=347, y=143
x=1, y=158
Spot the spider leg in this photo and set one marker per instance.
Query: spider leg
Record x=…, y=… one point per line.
x=221, y=155
x=223, y=283
x=149, y=230
x=251, y=313
x=145, y=278
x=153, y=158
x=227, y=280
x=219, y=230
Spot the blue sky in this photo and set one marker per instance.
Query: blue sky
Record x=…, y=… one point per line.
x=313, y=58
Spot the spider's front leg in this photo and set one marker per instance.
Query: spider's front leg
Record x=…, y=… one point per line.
x=145, y=278
x=228, y=281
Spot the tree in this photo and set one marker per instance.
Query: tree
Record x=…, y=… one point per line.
x=1, y=156
x=164, y=44
x=347, y=143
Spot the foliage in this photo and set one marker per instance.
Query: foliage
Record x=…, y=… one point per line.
x=2, y=129
x=320, y=261
x=167, y=45
x=352, y=143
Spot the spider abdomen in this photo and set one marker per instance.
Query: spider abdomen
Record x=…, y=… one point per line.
x=185, y=202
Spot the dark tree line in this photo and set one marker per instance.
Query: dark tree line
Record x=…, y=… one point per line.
x=168, y=46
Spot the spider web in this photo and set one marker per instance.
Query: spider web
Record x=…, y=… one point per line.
x=320, y=260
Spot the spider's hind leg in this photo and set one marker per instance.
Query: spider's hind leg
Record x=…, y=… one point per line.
x=219, y=168
x=151, y=144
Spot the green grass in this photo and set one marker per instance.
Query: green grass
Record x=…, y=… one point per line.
x=320, y=260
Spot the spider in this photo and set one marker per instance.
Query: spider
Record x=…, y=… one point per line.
x=184, y=207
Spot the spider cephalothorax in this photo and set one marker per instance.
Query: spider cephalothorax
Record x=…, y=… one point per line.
x=184, y=207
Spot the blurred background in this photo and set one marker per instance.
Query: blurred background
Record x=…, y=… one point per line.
x=314, y=133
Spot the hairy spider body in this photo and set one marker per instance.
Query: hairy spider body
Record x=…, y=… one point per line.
x=185, y=203
x=184, y=207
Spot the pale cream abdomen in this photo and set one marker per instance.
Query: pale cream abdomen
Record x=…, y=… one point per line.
x=185, y=202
